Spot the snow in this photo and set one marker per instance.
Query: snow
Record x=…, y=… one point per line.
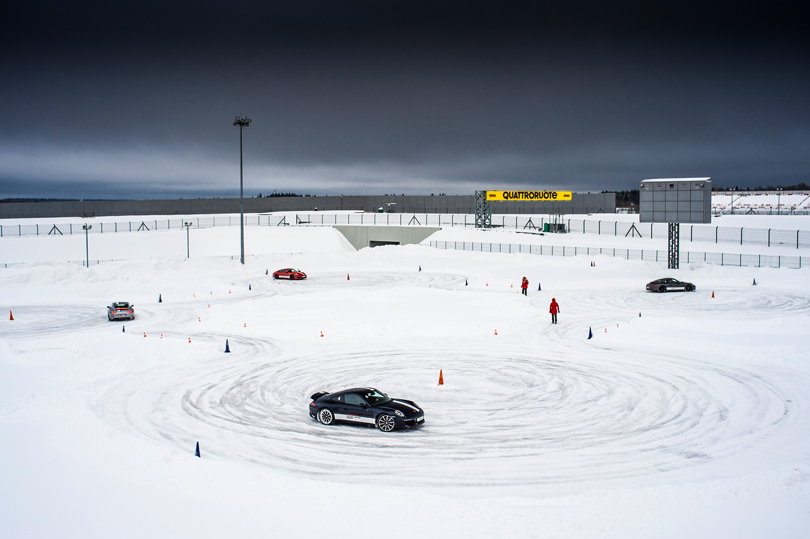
x=685, y=415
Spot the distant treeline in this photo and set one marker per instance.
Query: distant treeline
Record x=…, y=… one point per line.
x=801, y=186
x=625, y=199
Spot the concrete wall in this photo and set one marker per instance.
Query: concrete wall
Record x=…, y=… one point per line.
x=365, y=236
x=458, y=204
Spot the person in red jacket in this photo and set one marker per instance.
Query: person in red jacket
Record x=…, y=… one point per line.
x=525, y=286
x=554, y=308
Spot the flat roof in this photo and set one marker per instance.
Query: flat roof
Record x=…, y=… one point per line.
x=678, y=180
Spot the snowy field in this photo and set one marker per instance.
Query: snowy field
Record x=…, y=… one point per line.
x=686, y=414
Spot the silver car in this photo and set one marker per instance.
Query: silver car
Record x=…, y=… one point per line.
x=120, y=310
x=668, y=283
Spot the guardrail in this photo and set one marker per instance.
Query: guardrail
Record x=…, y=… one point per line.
x=722, y=259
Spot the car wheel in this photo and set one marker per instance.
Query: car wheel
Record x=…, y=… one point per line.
x=662, y=289
x=385, y=423
x=690, y=288
x=275, y=276
x=326, y=416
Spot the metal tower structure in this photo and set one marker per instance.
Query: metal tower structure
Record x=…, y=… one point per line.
x=673, y=245
x=483, y=210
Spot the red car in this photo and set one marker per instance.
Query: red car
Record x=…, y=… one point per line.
x=289, y=273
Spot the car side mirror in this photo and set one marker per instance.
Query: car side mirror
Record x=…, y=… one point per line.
x=363, y=405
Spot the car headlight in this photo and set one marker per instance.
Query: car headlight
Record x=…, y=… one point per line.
x=400, y=414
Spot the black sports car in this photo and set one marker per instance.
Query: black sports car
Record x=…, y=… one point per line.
x=668, y=283
x=365, y=406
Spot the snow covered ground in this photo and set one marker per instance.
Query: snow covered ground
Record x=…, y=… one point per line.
x=686, y=414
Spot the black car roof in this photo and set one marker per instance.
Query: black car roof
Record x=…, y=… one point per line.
x=354, y=390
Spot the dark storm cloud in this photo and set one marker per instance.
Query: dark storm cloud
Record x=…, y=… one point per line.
x=104, y=101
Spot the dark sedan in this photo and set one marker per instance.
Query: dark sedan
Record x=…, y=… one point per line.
x=668, y=284
x=365, y=406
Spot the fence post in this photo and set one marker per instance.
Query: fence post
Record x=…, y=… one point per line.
x=716, y=229
x=615, y=228
x=741, y=235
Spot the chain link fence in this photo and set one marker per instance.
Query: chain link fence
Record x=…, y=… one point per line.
x=722, y=259
x=690, y=233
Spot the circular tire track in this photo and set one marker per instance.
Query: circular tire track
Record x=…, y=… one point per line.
x=505, y=417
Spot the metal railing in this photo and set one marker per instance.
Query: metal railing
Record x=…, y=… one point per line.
x=722, y=259
x=690, y=233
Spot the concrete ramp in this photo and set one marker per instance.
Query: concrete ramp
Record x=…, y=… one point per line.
x=372, y=236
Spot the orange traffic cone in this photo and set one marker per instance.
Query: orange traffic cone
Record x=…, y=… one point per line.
x=198, y=319
x=348, y=278
x=712, y=293
x=496, y=332
x=10, y=315
x=487, y=284
x=144, y=334
x=321, y=333
x=161, y=335
x=441, y=378
x=245, y=325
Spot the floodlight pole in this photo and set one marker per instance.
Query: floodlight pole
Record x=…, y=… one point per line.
x=87, y=242
x=242, y=123
x=731, y=209
x=187, y=225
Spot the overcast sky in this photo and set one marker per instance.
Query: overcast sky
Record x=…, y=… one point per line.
x=98, y=100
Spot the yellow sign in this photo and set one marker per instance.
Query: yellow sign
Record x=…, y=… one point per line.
x=529, y=195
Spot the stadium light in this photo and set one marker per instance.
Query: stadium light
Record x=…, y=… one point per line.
x=87, y=242
x=242, y=123
x=187, y=225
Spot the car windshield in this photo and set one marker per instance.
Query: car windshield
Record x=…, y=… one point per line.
x=374, y=397
x=120, y=305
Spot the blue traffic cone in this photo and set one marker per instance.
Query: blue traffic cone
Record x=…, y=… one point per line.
x=123, y=329
x=639, y=315
x=249, y=288
x=420, y=268
x=160, y=298
x=538, y=288
x=465, y=282
x=197, y=452
x=755, y=282
x=227, y=348
x=265, y=272
x=590, y=333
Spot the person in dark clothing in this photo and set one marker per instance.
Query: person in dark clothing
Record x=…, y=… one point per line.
x=525, y=286
x=554, y=308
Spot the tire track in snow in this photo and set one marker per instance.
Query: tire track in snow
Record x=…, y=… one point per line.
x=505, y=416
